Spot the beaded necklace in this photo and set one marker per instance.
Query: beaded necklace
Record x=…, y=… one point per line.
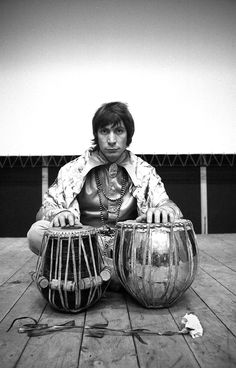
x=118, y=200
x=107, y=232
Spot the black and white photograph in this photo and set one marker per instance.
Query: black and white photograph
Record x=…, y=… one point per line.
x=117, y=183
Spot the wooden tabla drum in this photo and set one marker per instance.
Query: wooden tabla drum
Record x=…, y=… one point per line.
x=156, y=263
x=71, y=272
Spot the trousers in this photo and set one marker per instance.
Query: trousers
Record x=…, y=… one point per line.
x=35, y=235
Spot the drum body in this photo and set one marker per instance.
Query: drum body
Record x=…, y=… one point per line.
x=156, y=263
x=71, y=272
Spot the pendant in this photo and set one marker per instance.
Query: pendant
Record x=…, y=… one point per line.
x=107, y=243
x=112, y=209
x=108, y=248
x=113, y=170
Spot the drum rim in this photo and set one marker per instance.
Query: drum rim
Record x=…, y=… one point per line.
x=130, y=224
x=60, y=231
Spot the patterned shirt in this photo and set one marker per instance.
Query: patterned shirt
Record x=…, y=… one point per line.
x=146, y=185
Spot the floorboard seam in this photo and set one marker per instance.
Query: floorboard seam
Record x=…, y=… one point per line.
x=185, y=340
x=23, y=265
x=31, y=282
x=134, y=342
x=208, y=307
x=82, y=338
x=225, y=287
x=209, y=255
x=26, y=343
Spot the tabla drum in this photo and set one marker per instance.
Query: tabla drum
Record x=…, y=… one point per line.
x=156, y=263
x=71, y=272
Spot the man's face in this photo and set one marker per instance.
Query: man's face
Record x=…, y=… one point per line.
x=112, y=140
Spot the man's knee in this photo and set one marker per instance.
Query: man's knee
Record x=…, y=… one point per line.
x=35, y=235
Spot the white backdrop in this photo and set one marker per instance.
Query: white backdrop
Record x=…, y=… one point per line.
x=173, y=62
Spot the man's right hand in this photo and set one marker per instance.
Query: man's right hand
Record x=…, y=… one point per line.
x=65, y=218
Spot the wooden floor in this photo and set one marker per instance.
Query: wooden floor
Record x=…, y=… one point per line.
x=212, y=298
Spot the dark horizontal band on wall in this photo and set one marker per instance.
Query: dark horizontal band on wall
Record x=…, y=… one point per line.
x=166, y=160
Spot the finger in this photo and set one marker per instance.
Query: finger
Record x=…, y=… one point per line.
x=71, y=220
x=150, y=215
x=62, y=220
x=55, y=222
x=157, y=216
x=141, y=218
x=171, y=217
x=77, y=222
x=164, y=216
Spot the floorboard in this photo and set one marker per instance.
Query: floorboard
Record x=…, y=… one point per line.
x=222, y=249
x=14, y=253
x=114, y=351
x=220, y=300
x=60, y=349
x=160, y=351
x=212, y=297
x=217, y=347
x=15, y=287
x=218, y=271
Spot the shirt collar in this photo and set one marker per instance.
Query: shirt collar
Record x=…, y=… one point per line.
x=96, y=159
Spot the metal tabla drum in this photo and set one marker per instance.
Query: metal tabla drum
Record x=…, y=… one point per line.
x=71, y=272
x=156, y=263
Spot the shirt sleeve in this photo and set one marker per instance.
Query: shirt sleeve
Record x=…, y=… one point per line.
x=54, y=199
x=156, y=193
x=157, y=196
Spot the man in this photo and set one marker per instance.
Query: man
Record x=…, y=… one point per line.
x=106, y=184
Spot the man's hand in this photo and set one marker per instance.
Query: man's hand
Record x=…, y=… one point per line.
x=65, y=218
x=162, y=214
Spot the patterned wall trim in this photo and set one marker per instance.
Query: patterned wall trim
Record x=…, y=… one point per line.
x=179, y=160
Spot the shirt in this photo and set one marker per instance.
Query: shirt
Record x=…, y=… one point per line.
x=111, y=203
x=147, y=187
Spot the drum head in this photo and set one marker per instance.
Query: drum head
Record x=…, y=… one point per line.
x=71, y=231
x=143, y=225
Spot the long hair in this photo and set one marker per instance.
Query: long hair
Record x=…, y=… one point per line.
x=112, y=113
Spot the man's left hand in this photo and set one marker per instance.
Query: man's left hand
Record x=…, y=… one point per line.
x=162, y=214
